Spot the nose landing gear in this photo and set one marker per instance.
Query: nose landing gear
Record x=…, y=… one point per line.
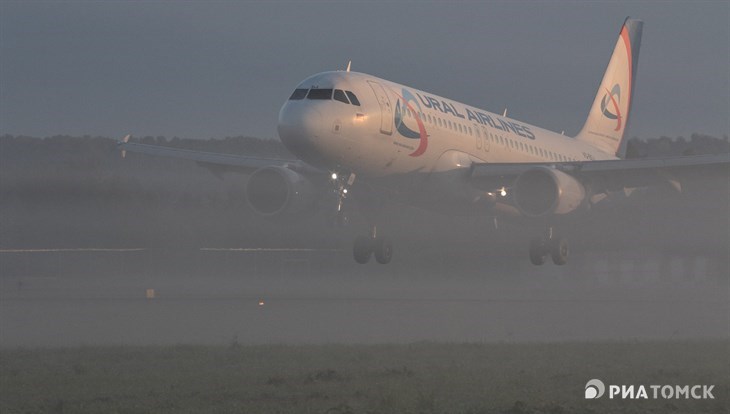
x=549, y=244
x=341, y=188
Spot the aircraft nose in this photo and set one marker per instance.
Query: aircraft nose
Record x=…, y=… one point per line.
x=300, y=126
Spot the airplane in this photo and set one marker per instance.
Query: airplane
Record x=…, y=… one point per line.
x=365, y=140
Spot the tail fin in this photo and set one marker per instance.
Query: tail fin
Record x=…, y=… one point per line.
x=607, y=120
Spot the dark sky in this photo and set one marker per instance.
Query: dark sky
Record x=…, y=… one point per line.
x=214, y=69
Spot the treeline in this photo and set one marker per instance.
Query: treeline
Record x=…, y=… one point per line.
x=92, y=149
x=68, y=167
x=697, y=144
x=18, y=147
x=78, y=191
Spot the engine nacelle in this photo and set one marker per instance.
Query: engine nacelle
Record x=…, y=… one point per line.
x=542, y=191
x=276, y=191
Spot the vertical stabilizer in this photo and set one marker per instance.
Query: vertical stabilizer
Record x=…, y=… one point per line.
x=607, y=120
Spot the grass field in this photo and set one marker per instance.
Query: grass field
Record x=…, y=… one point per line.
x=339, y=379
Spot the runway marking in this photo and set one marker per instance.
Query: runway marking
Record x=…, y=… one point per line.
x=141, y=249
x=85, y=249
x=264, y=249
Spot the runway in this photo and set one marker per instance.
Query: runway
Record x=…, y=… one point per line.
x=70, y=297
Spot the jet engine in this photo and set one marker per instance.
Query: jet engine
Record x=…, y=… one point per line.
x=543, y=191
x=276, y=191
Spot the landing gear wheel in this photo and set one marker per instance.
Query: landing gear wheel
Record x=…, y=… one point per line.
x=383, y=250
x=362, y=249
x=537, y=251
x=559, y=251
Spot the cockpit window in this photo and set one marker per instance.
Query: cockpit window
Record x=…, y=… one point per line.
x=353, y=98
x=324, y=94
x=340, y=96
x=298, y=94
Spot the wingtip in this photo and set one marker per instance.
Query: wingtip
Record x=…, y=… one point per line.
x=123, y=141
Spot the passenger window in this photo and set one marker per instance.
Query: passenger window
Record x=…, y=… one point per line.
x=340, y=96
x=298, y=94
x=320, y=94
x=353, y=98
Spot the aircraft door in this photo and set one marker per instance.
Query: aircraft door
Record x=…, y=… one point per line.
x=486, y=137
x=386, y=109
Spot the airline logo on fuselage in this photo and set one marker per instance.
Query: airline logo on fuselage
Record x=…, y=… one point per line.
x=404, y=104
x=612, y=111
x=413, y=104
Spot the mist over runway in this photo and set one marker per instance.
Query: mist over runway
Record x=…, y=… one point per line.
x=84, y=235
x=222, y=296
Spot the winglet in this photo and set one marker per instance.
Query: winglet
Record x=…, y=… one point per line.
x=124, y=141
x=348, y=65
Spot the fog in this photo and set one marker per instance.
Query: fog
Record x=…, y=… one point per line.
x=322, y=297
x=96, y=249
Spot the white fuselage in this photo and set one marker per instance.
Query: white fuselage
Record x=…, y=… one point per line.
x=398, y=131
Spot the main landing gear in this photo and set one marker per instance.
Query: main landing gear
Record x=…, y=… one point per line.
x=549, y=244
x=366, y=246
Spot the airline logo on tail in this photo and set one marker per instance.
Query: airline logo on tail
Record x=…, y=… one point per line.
x=612, y=111
x=401, y=126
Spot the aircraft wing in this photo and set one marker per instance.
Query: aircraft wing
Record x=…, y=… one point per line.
x=611, y=175
x=216, y=162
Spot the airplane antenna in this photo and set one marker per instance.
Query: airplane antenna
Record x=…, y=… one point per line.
x=505, y=112
x=348, y=65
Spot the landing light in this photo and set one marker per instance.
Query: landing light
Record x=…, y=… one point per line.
x=503, y=191
x=334, y=176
